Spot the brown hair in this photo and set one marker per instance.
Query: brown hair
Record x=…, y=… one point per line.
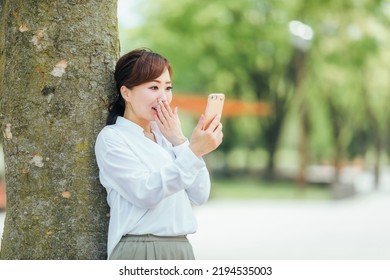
x=132, y=69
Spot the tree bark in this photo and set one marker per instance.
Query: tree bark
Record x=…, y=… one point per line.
x=57, y=67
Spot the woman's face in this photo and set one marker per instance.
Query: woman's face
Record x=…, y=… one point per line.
x=143, y=99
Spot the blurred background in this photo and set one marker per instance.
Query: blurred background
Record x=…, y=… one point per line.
x=307, y=85
x=303, y=171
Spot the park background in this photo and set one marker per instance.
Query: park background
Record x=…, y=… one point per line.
x=307, y=83
x=303, y=169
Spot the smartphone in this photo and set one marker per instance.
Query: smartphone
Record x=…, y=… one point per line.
x=214, y=107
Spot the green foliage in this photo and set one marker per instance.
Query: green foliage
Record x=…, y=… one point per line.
x=243, y=48
x=345, y=54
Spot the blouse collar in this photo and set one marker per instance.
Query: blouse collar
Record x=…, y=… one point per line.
x=121, y=121
x=132, y=126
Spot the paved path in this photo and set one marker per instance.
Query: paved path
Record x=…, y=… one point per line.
x=356, y=228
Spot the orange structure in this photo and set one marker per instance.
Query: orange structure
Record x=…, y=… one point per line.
x=196, y=104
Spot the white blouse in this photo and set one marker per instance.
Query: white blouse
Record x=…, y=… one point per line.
x=150, y=186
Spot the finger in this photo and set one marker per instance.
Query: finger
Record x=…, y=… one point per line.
x=158, y=121
x=220, y=135
x=213, y=125
x=218, y=128
x=200, y=123
x=175, y=112
x=166, y=109
x=161, y=115
x=219, y=139
x=165, y=112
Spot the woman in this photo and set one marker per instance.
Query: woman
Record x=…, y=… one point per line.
x=151, y=172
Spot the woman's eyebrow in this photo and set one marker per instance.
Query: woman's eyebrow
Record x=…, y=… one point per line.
x=158, y=81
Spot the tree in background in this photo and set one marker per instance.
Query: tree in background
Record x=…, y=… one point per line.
x=348, y=69
x=327, y=101
x=56, y=65
x=241, y=48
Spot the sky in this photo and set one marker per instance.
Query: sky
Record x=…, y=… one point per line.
x=127, y=15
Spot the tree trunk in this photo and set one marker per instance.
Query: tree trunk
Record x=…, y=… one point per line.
x=377, y=162
x=57, y=68
x=271, y=145
x=303, y=147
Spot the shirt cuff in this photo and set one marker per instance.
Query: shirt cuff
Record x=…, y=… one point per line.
x=179, y=149
x=186, y=158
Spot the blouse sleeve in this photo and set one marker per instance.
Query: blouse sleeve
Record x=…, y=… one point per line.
x=199, y=191
x=121, y=169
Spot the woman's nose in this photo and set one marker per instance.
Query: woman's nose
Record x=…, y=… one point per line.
x=163, y=96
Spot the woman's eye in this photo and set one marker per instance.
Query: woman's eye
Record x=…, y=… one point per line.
x=154, y=87
x=169, y=88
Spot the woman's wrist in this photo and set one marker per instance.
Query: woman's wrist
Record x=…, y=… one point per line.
x=196, y=151
x=179, y=141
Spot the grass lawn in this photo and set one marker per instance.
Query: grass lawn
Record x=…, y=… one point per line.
x=238, y=188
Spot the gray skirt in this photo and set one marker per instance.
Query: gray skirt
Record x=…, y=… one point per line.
x=152, y=247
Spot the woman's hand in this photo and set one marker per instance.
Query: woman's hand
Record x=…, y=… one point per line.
x=169, y=123
x=205, y=141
